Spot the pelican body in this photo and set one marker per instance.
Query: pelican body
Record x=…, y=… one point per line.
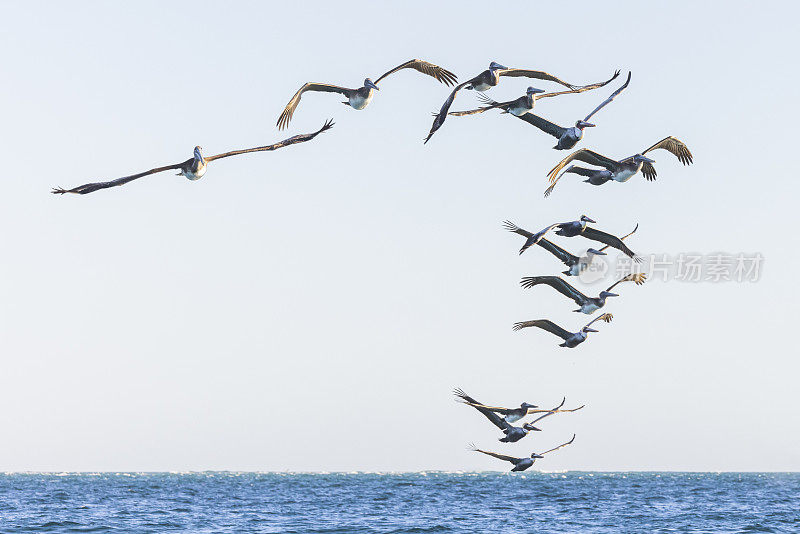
x=573, y=228
x=361, y=97
x=524, y=104
x=486, y=79
x=196, y=167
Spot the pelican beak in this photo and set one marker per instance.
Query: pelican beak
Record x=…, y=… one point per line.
x=587, y=125
x=533, y=90
x=596, y=252
x=646, y=159
x=534, y=455
x=589, y=330
x=372, y=85
x=611, y=295
x=587, y=219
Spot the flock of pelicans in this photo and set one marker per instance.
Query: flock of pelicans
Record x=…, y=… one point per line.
x=604, y=169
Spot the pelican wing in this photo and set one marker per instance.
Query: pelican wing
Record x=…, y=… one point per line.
x=579, y=89
x=606, y=318
x=495, y=419
x=673, y=145
x=543, y=124
x=623, y=238
x=550, y=412
x=556, y=283
x=557, y=251
x=511, y=227
x=496, y=409
x=439, y=118
x=609, y=99
x=636, y=278
x=537, y=74
x=302, y=138
x=89, y=188
x=544, y=324
x=435, y=71
x=511, y=459
x=288, y=111
x=562, y=445
x=585, y=155
x=610, y=240
x=489, y=104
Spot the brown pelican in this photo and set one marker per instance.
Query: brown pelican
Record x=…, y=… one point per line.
x=619, y=171
x=512, y=433
x=580, y=228
x=571, y=339
x=576, y=265
x=193, y=168
x=587, y=305
x=513, y=415
x=521, y=464
x=488, y=79
x=360, y=97
x=567, y=137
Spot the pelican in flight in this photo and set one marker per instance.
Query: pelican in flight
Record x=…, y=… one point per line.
x=359, y=98
x=619, y=171
x=513, y=415
x=521, y=464
x=588, y=305
x=571, y=339
x=490, y=78
x=580, y=228
x=576, y=265
x=567, y=137
x=193, y=168
x=512, y=433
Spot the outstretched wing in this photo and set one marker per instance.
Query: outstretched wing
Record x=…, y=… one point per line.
x=511, y=227
x=302, y=138
x=585, y=155
x=288, y=111
x=556, y=283
x=623, y=238
x=610, y=240
x=544, y=324
x=496, y=420
x=606, y=318
x=636, y=278
x=580, y=89
x=435, y=71
x=543, y=124
x=673, y=145
x=557, y=251
x=496, y=409
x=537, y=74
x=439, y=118
x=89, y=188
x=550, y=412
x=496, y=455
x=562, y=445
x=610, y=98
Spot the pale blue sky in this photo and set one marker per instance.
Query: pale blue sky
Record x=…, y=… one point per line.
x=311, y=308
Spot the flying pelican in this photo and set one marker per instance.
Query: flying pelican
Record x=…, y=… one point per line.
x=491, y=77
x=619, y=171
x=531, y=238
x=571, y=339
x=580, y=228
x=193, y=168
x=512, y=433
x=513, y=415
x=576, y=265
x=567, y=137
x=521, y=464
x=359, y=98
x=588, y=305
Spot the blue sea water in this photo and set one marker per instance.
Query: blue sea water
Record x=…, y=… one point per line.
x=401, y=503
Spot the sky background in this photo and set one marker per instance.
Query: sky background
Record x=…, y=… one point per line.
x=312, y=308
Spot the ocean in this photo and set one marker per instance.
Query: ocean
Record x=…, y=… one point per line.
x=401, y=503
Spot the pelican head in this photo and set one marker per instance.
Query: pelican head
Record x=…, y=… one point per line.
x=496, y=66
x=585, y=219
x=198, y=153
x=605, y=294
x=526, y=405
x=535, y=456
x=594, y=252
x=529, y=427
x=369, y=83
x=583, y=124
x=533, y=91
x=638, y=158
